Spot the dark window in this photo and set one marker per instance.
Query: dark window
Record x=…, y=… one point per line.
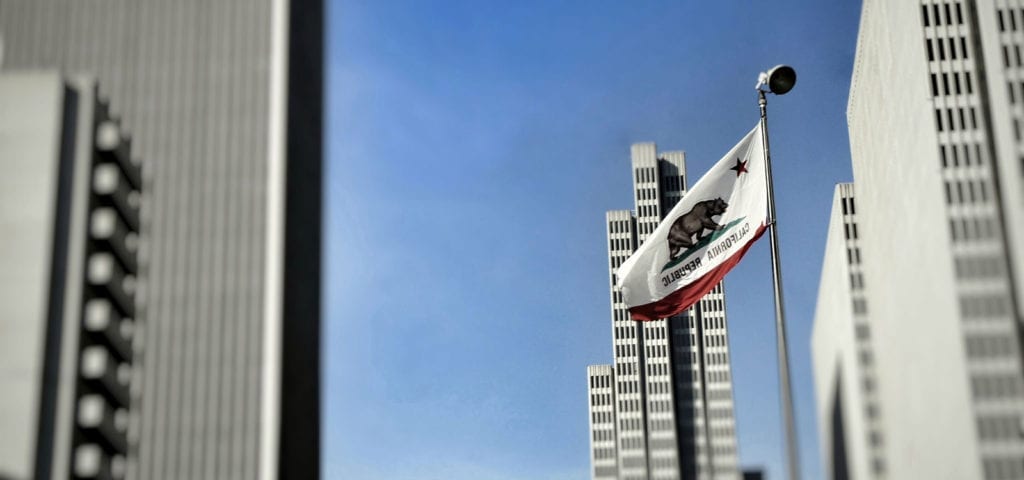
x=949, y=119
x=942, y=49
x=1009, y=91
x=960, y=111
x=963, y=44
x=924, y=15
x=1006, y=56
x=1002, y=25
x=938, y=119
x=942, y=155
x=935, y=13
x=945, y=84
x=956, y=82
x=935, y=86
x=967, y=80
x=949, y=18
x=956, y=156
x=952, y=47
x=974, y=119
x=931, y=51
x=959, y=14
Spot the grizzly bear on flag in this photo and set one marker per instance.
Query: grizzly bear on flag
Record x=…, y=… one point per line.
x=695, y=221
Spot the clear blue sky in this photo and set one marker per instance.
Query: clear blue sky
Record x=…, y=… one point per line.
x=473, y=148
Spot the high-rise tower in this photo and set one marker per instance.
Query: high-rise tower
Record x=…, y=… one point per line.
x=224, y=100
x=69, y=220
x=936, y=119
x=664, y=409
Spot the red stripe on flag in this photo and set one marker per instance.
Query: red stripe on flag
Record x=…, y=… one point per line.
x=685, y=297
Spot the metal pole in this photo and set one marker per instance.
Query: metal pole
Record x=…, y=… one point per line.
x=785, y=390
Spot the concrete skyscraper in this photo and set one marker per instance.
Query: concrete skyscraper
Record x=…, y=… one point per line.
x=664, y=409
x=224, y=103
x=935, y=116
x=69, y=219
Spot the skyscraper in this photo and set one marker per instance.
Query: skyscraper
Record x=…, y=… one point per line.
x=224, y=100
x=69, y=219
x=935, y=111
x=664, y=409
x=844, y=370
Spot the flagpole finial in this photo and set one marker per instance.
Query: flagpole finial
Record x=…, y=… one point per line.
x=780, y=79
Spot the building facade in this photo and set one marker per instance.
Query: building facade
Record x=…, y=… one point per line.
x=664, y=408
x=69, y=220
x=224, y=100
x=849, y=413
x=935, y=110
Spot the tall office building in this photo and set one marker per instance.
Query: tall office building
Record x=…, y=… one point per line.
x=69, y=222
x=935, y=112
x=844, y=368
x=224, y=100
x=664, y=409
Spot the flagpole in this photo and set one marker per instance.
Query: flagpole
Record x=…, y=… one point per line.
x=782, y=349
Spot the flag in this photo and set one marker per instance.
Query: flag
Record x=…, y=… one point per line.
x=702, y=237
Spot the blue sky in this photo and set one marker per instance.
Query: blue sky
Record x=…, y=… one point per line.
x=473, y=148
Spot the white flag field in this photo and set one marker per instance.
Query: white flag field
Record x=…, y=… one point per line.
x=702, y=237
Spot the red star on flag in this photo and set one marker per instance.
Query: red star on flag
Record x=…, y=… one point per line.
x=741, y=167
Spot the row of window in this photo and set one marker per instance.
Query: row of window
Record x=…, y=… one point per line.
x=954, y=155
x=860, y=306
x=625, y=332
x=617, y=244
x=978, y=267
x=1008, y=18
x=645, y=175
x=995, y=386
x=599, y=399
x=603, y=435
x=853, y=256
x=674, y=184
x=646, y=194
x=660, y=407
x=937, y=48
x=990, y=346
x=620, y=226
x=715, y=340
x=968, y=119
x=856, y=281
x=970, y=229
x=954, y=87
x=603, y=417
x=977, y=306
x=647, y=211
x=934, y=17
x=600, y=381
x=1003, y=468
x=627, y=350
x=625, y=368
x=1014, y=60
x=717, y=359
x=658, y=387
x=848, y=206
x=630, y=405
x=717, y=376
x=960, y=192
x=850, y=230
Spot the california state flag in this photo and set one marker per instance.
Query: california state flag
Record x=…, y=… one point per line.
x=702, y=238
